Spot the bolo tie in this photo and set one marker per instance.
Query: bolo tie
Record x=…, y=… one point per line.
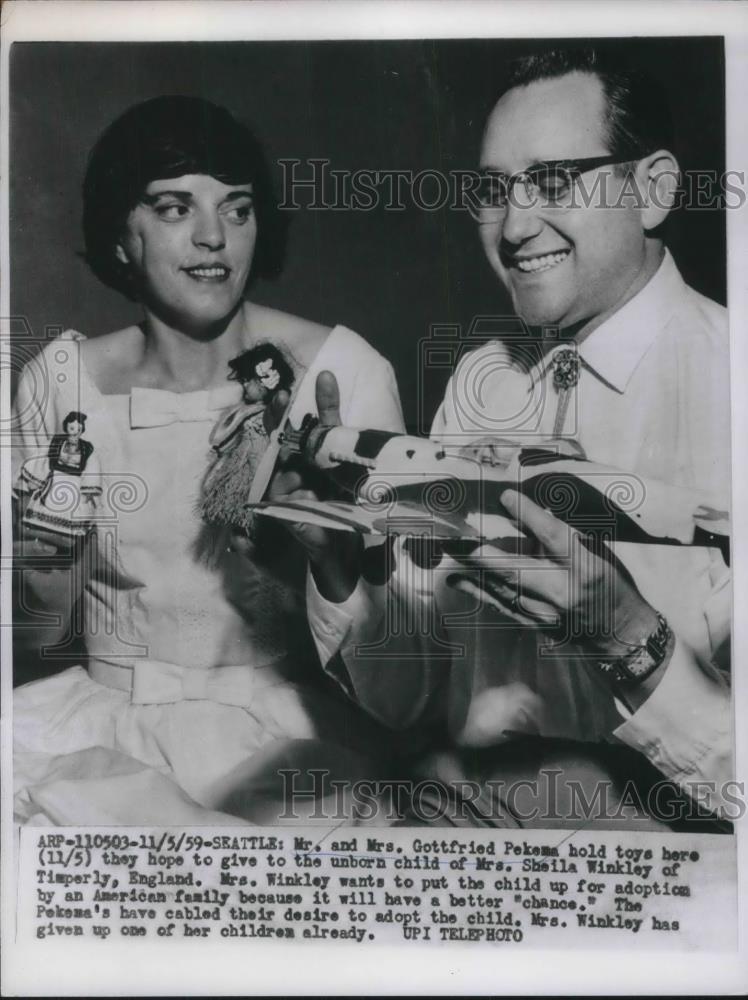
x=565, y=365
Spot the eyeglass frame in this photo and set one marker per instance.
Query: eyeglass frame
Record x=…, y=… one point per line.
x=574, y=169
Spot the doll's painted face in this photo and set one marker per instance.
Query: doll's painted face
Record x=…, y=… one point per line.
x=267, y=374
x=73, y=429
x=253, y=392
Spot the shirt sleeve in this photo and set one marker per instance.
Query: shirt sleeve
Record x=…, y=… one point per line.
x=685, y=726
x=48, y=387
x=48, y=382
x=375, y=402
x=33, y=413
x=360, y=642
x=381, y=644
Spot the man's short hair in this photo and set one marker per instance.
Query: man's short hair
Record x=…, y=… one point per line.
x=637, y=120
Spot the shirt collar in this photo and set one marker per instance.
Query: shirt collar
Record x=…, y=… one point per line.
x=614, y=350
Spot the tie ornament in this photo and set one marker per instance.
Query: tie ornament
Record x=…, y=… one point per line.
x=565, y=365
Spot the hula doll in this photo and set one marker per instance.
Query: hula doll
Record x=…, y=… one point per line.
x=242, y=434
x=63, y=488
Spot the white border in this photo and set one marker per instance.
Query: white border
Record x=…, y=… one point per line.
x=218, y=970
x=289, y=20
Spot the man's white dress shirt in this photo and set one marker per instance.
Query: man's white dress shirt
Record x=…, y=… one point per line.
x=653, y=400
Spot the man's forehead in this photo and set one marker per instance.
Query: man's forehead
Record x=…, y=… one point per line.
x=551, y=119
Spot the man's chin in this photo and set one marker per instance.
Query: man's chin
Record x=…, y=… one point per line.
x=536, y=314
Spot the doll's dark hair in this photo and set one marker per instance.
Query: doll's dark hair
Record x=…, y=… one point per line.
x=75, y=416
x=243, y=367
x=169, y=137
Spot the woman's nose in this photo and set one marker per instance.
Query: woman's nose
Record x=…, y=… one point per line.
x=208, y=231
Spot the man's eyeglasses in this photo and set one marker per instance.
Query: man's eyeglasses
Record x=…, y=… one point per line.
x=548, y=183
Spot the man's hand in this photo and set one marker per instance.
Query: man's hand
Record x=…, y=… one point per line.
x=334, y=555
x=564, y=583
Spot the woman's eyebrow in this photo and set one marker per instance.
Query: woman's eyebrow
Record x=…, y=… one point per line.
x=150, y=199
x=234, y=195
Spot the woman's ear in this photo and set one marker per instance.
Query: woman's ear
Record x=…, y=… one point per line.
x=119, y=252
x=659, y=177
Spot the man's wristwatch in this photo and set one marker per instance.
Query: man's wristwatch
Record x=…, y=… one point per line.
x=642, y=660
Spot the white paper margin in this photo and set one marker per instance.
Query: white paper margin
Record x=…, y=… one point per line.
x=215, y=969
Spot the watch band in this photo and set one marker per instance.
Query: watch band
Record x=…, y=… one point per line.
x=641, y=661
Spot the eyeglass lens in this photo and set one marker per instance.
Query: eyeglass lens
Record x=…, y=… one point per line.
x=549, y=183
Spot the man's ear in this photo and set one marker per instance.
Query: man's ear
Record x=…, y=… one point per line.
x=659, y=176
x=119, y=252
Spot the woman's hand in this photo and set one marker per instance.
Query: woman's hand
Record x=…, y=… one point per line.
x=48, y=578
x=335, y=556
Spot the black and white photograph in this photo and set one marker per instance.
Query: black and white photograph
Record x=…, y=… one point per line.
x=370, y=459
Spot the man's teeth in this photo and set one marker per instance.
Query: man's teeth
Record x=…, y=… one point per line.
x=208, y=272
x=542, y=263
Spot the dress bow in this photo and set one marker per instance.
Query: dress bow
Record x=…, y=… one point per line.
x=160, y=407
x=155, y=682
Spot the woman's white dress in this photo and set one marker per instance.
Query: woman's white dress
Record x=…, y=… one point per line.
x=195, y=667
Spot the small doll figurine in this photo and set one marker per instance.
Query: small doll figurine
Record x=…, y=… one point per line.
x=241, y=435
x=62, y=490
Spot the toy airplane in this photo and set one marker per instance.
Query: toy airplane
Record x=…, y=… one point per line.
x=397, y=483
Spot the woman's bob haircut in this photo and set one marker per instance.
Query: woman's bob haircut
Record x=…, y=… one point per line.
x=169, y=137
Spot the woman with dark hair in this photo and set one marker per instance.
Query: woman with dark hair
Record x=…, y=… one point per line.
x=193, y=665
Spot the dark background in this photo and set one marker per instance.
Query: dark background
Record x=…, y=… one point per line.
x=377, y=105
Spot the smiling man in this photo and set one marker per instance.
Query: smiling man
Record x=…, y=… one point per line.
x=577, y=182
x=567, y=248
x=631, y=366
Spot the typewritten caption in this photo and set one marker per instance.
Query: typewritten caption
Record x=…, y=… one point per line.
x=424, y=887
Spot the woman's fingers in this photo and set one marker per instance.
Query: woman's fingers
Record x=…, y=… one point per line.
x=32, y=546
x=276, y=408
x=240, y=543
x=30, y=543
x=327, y=397
x=283, y=483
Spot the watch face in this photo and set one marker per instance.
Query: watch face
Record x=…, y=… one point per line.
x=642, y=661
x=639, y=667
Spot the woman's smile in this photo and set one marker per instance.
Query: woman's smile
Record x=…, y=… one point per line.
x=208, y=272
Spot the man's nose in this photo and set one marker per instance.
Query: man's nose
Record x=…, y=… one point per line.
x=208, y=231
x=522, y=217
